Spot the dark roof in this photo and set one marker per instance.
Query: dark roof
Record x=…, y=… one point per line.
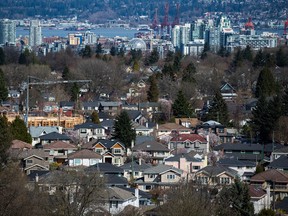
x=256, y=192
x=239, y=147
x=136, y=166
x=283, y=204
x=149, y=104
x=59, y=145
x=109, y=143
x=89, y=145
x=84, y=153
x=282, y=150
x=54, y=136
x=279, y=163
x=107, y=123
x=91, y=104
x=187, y=156
x=151, y=146
x=235, y=162
x=247, y=157
x=114, y=179
x=106, y=168
x=133, y=114
x=66, y=103
x=89, y=125
x=216, y=170
x=142, y=194
x=269, y=175
x=34, y=173
x=103, y=115
x=141, y=139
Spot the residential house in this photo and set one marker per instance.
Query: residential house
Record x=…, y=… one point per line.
x=282, y=205
x=58, y=151
x=276, y=180
x=67, y=105
x=260, y=198
x=186, y=162
x=228, y=92
x=165, y=132
x=110, y=107
x=32, y=160
x=89, y=130
x=36, y=132
x=135, y=169
x=159, y=176
x=216, y=176
x=114, y=175
x=279, y=152
x=90, y=106
x=112, y=151
x=143, y=130
x=152, y=150
x=189, y=142
x=83, y=157
x=145, y=198
x=13, y=94
x=216, y=128
x=245, y=169
x=120, y=198
x=281, y=163
x=149, y=107
x=136, y=116
x=52, y=137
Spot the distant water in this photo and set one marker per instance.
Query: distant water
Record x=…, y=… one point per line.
x=106, y=32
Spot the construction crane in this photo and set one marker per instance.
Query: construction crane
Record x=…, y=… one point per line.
x=176, y=19
x=45, y=83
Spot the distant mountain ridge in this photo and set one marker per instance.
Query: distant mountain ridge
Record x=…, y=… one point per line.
x=99, y=10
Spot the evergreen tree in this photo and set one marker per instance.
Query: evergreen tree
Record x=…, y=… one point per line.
x=153, y=91
x=22, y=59
x=235, y=200
x=168, y=70
x=136, y=54
x=205, y=50
x=19, y=130
x=177, y=62
x=99, y=50
x=248, y=54
x=113, y=51
x=169, y=56
x=86, y=52
x=123, y=130
x=218, y=110
x=270, y=60
x=238, y=58
x=3, y=87
x=189, y=73
x=154, y=56
x=136, y=66
x=181, y=106
x=6, y=141
x=281, y=58
x=285, y=103
x=222, y=52
x=66, y=73
x=259, y=60
x=266, y=85
x=121, y=52
x=75, y=92
x=95, y=117
x=266, y=212
x=2, y=56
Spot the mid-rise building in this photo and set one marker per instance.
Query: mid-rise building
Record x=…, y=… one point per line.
x=35, y=33
x=7, y=31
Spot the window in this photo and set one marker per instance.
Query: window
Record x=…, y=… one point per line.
x=151, y=176
x=196, y=145
x=170, y=176
x=148, y=187
x=225, y=180
x=113, y=204
x=29, y=161
x=99, y=131
x=117, y=151
x=82, y=130
x=93, y=161
x=116, y=160
x=220, y=130
x=136, y=173
x=196, y=167
x=77, y=162
x=203, y=179
x=99, y=151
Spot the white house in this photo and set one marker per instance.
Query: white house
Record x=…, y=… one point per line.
x=84, y=157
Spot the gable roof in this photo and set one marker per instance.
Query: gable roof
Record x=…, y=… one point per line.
x=162, y=168
x=19, y=144
x=217, y=170
x=136, y=166
x=282, y=150
x=84, y=153
x=88, y=125
x=279, y=163
x=188, y=157
x=238, y=147
x=54, y=136
x=235, y=162
x=270, y=175
x=59, y=145
x=172, y=126
x=150, y=146
x=256, y=192
x=190, y=137
x=110, y=103
x=37, y=131
x=90, y=144
x=133, y=114
x=106, y=168
x=40, y=153
x=116, y=193
x=109, y=143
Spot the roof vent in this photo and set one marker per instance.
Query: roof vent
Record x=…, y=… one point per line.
x=148, y=146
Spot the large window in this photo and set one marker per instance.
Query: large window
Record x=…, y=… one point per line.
x=196, y=167
x=117, y=151
x=77, y=162
x=170, y=176
x=113, y=204
x=82, y=130
x=225, y=180
x=151, y=176
x=99, y=150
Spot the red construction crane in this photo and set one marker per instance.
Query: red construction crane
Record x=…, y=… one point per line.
x=177, y=19
x=165, y=22
x=286, y=26
x=155, y=20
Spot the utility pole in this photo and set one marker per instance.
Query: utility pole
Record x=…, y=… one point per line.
x=46, y=83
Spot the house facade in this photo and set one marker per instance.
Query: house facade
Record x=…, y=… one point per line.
x=83, y=157
x=88, y=131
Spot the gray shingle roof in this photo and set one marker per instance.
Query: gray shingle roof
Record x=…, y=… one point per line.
x=187, y=156
x=88, y=125
x=54, y=136
x=279, y=163
x=150, y=146
x=84, y=153
x=161, y=168
x=239, y=147
x=37, y=131
x=216, y=170
x=106, y=168
x=136, y=166
x=235, y=162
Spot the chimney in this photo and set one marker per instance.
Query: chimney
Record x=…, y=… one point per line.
x=140, y=161
x=137, y=196
x=36, y=178
x=146, y=124
x=132, y=144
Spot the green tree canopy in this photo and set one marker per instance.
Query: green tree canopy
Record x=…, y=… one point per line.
x=281, y=58
x=66, y=73
x=19, y=130
x=2, y=56
x=113, y=51
x=75, y=92
x=218, y=110
x=248, y=54
x=6, y=141
x=235, y=200
x=95, y=117
x=266, y=85
x=154, y=56
x=169, y=56
x=99, y=50
x=123, y=130
x=182, y=107
x=86, y=52
x=3, y=87
x=153, y=91
x=259, y=60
